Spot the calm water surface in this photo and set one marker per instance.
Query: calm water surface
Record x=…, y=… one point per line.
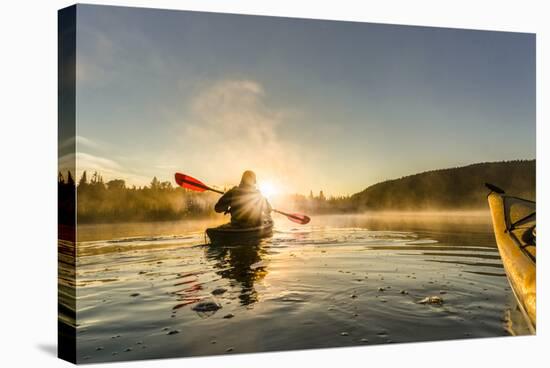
x=339, y=281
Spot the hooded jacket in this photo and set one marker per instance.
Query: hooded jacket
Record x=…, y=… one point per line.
x=247, y=206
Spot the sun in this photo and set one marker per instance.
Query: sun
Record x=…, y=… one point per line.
x=268, y=189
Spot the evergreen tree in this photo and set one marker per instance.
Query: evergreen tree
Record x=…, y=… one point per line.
x=83, y=179
x=70, y=180
x=155, y=184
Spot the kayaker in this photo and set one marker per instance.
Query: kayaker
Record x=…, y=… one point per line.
x=247, y=206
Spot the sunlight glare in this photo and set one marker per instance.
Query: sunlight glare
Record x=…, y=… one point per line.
x=268, y=189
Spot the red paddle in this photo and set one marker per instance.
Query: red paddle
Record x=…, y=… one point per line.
x=191, y=183
x=295, y=217
x=188, y=182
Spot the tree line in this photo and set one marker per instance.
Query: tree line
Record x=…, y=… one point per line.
x=113, y=201
x=320, y=204
x=446, y=189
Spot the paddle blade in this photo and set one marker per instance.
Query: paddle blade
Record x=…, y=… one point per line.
x=298, y=218
x=188, y=182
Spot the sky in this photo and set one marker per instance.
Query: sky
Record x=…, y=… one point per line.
x=307, y=104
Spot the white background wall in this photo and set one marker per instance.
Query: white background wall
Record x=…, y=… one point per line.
x=28, y=134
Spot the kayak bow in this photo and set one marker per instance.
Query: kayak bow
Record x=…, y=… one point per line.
x=514, y=224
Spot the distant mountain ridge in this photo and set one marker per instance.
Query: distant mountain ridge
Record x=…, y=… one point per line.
x=452, y=188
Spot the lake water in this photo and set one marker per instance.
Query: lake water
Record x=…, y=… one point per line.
x=339, y=281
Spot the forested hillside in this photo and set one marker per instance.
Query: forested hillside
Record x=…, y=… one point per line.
x=454, y=188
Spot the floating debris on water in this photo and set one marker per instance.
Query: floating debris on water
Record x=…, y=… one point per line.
x=292, y=297
x=99, y=348
x=431, y=300
x=134, y=294
x=364, y=340
x=173, y=332
x=128, y=349
x=381, y=289
x=404, y=292
x=229, y=315
x=219, y=291
x=206, y=307
x=344, y=334
x=228, y=350
x=260, y=264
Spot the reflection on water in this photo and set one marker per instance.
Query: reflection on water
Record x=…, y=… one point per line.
x=240, y=264
x=151, y=291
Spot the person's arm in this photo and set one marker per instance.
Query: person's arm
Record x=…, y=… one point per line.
x=267, y=207
x=223, y=203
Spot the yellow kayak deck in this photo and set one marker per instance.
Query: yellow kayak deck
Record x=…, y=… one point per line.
x=514, y=221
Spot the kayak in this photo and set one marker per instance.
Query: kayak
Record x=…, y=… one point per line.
x=514, y=224
x=231, y=234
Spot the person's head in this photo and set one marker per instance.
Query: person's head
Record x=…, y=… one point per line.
x=248, y=179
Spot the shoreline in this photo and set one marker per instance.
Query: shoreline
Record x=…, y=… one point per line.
x=435, y=212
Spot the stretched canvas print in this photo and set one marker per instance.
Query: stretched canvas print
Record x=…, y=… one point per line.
x=239, y=184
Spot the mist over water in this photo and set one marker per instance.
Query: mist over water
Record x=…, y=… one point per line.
x=339, y=281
